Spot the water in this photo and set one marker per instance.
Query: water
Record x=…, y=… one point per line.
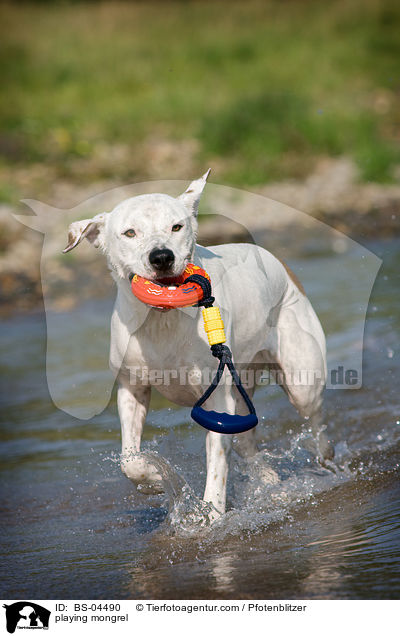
x=74, y=527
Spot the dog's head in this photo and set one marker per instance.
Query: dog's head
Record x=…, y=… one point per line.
x=152, y=235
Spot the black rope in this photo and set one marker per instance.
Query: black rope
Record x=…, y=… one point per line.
x=240, y=386
x=220, y=351
x=224, y=354
x=213, y=384
x=207, y=300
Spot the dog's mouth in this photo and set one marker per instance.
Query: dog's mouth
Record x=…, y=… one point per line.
x=161, y=309
x=168, y=280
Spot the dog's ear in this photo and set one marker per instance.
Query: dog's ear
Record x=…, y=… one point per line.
x=90, y=229
x=191, y=197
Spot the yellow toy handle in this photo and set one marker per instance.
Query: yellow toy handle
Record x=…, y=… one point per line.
x=213, y=325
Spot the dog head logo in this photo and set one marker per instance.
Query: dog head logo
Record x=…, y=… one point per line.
x=85, y=390
x=26, y=615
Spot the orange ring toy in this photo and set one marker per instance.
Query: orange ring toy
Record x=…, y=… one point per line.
x=172, y=294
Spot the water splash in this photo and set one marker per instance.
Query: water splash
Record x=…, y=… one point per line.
x=187, y=513
x=267, y=488
x=264, y=491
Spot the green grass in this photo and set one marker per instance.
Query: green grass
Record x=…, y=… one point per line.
x=265, y=87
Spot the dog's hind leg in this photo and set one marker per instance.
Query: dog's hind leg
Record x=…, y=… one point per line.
x=319, y=444
x=301, y=359
x=133, y=404
x=245, y=444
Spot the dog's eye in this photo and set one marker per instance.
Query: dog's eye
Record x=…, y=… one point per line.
x=130, y=233
x=177, y=227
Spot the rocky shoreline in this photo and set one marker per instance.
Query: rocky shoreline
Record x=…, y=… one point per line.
x=332, y=194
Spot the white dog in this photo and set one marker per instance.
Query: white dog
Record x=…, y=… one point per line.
x=269, y=322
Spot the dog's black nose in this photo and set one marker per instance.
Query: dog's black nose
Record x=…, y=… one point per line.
x=161, y=259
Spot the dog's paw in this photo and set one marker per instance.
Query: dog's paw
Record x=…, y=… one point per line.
x=268, y=476
x=260, y=472
x=319, y=445
x=142, y=473
x=151, y=489
x=213, y=514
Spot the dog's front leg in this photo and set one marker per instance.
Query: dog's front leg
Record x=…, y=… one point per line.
x=218, y=448
x=133, y=404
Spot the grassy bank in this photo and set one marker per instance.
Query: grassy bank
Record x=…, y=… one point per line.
x=259, y=90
